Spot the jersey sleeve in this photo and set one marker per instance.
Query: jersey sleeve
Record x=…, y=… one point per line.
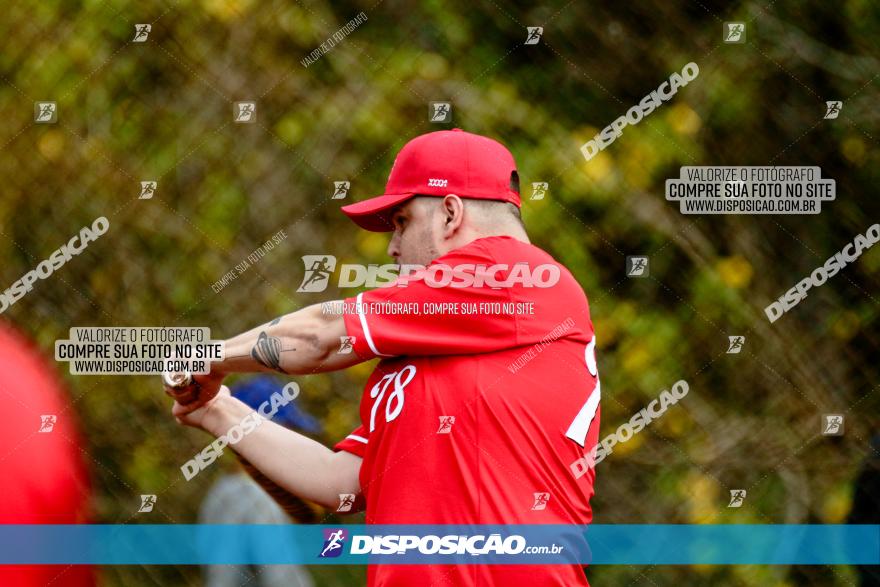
x=355, y=443
x=414, y=315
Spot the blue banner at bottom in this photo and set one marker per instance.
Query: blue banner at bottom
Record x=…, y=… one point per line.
x=351, y=544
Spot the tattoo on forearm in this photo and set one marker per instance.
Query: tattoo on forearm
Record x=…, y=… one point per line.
x=275, y=321
x=267, y=352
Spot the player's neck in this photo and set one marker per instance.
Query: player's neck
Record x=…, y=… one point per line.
x=516, y=232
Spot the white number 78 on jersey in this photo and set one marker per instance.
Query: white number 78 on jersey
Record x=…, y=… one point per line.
x=400, y=379
x=580, y=426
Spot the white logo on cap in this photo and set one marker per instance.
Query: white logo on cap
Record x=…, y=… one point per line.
x=438, y=183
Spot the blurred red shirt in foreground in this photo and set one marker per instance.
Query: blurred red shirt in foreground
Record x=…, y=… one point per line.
x=43, y=479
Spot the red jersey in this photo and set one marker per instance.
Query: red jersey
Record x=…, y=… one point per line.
x=474, y=415
x=45, y=480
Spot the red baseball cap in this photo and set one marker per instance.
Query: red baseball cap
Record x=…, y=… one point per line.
x=437, y=164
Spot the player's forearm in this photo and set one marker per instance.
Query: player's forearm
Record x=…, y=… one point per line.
x=299, y=343
x=294, y=462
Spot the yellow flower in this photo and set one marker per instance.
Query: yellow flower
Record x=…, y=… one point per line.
x=853, y=149
x=636, y=359
x=734, y=271
x=836, y=505
x=630, y=446
x=846, y=326
x=683, y=120
x=702, y=493
x=227, y=9
x=599, y=167
x=51, y=145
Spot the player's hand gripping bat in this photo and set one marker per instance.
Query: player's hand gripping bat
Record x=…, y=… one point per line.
x=181, y=385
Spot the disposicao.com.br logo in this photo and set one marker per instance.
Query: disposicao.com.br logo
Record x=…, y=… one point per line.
x=320, y=268
x=334, y=542
x=431, y=544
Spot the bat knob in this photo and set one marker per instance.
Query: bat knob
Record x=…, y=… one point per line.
x=181, y=386
x=177, y=379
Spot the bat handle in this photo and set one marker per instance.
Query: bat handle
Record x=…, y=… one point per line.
x=182, y=386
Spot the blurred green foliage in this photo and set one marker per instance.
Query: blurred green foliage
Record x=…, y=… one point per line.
x=162, y=110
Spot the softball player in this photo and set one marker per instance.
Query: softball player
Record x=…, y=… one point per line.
x=473, y=415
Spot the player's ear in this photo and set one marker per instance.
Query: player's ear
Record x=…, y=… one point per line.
x=453, y=214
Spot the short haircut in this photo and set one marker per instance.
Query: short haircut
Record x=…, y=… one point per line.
x=488, y=210
x=495, y=209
